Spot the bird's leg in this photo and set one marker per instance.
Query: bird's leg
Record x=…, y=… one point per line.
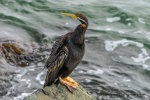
x=69, y=83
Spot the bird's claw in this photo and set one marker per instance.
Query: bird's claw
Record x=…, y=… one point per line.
x=69, y=83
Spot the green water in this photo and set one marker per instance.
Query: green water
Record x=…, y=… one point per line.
x=116, y=63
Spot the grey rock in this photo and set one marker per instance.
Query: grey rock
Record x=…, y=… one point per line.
x=59, y=92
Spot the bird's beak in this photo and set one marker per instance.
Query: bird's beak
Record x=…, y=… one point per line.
x=71, y=15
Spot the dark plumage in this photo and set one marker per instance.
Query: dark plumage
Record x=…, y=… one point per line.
x=67, y=52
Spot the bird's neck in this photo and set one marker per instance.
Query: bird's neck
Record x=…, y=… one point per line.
x=78, y=35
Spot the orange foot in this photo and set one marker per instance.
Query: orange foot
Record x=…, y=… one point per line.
x=69, y=83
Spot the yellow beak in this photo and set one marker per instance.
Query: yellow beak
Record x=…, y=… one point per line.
x=71, y=15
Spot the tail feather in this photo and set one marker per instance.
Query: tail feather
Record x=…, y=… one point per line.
x=50, y=78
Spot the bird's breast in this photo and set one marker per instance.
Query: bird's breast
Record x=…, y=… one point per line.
x=75, y=55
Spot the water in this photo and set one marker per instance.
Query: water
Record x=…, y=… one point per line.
x=116, y=63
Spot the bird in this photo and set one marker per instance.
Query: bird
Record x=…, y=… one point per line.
x=66, y=54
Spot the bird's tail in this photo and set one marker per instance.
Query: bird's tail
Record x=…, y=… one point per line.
x=50, y=78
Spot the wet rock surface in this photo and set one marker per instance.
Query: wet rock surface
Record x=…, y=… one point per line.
x=59, y=92
x=18, y=56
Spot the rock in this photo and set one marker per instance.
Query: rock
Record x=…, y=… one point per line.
x=59, y=92
x=15, y=55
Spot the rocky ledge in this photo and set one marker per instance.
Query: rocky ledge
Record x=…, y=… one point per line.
x=59, y=92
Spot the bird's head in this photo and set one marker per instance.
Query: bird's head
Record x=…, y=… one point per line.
x=82, y=18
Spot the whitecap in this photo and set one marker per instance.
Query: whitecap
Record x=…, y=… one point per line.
x=108, y=29
x=32, y=69
x=66, y=23
x=92, y=71
x=80, y=71
x=40, y=64
x=111, y=45
x=137, y=32
x=142, y=57
x=125, y=79
x=21, y=73
x=146, y=67
x=38, y=78
x=21, y=96
x=28, y=82
x=98, y=71
x=113, y=19
x=148, y=33
x=121, y=32
x=141, y=20
x=88, y=80
x=128, y=19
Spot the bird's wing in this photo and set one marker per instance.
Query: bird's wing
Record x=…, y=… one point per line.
x=55, y=51
x=55, y=66
x=56, y=48
x=53, y=69
x=55, y=62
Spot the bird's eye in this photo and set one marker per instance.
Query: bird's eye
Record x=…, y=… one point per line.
x=78, y=18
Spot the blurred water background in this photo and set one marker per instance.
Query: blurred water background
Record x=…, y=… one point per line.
x=116, y=65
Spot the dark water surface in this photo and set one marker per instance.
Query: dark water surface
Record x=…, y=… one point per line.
x=116, y=65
